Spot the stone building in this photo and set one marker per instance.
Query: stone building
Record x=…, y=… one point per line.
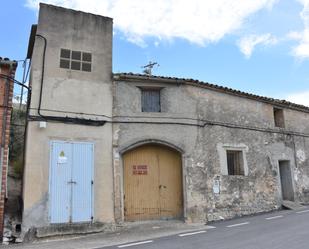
x=7, y=75
x=106, y=148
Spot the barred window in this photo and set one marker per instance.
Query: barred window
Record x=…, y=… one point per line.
x=75, y=60
x=235, y=162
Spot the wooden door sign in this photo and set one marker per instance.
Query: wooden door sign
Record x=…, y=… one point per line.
x=140, y=169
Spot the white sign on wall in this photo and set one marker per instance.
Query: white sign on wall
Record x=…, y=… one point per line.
x=216, y=187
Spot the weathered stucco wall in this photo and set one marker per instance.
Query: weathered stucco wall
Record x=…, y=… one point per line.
x=36, y=179
x=68, y=90
x=233, y=122
x=74, y=94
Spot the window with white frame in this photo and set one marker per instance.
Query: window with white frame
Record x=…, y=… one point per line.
x=233, y=160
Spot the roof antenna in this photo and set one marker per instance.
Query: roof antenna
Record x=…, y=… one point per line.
x=148, y=68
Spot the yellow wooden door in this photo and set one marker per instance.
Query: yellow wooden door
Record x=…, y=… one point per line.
x=170, y=178
x=141, y=196
x=152, y=183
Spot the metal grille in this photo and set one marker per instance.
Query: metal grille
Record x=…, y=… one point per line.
x=235, y=162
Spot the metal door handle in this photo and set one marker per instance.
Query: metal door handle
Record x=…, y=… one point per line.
x=72, y=182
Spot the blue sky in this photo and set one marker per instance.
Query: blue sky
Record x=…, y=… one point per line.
x=257, y=46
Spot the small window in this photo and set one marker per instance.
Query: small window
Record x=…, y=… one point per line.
x=65, y=53
x=87, y=57
x=76, y=55
x=75, y=65
x=151, y=100
x=75, y=60
x=86, y=67
x=64, y=63
x=235, y=162
x=279, y=117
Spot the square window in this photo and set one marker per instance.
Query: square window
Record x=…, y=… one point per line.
x=64, y=63
x=235, y=162
x=151, y=100
x=87, y=57
x=76, y=55
x=65, y=53
x=86, y=67
x=75, y=60
x=278, y=117
x=75, y=65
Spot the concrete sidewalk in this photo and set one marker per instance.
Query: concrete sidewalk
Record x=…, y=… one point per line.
x=128, y=232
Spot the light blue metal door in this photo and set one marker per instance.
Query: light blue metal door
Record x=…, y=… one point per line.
x=82, y=175
x=71, y=181
x=60, y=175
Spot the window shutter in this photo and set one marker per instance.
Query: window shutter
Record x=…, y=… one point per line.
x=151, y=100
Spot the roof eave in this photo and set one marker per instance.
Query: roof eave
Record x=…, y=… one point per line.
x=31, y=41
x=217, y=88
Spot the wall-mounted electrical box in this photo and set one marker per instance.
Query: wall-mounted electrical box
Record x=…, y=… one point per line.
x=42, y=124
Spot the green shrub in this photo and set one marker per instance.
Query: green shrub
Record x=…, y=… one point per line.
x=16, y=145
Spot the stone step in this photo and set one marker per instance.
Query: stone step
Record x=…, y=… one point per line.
x=73, y=228
x=292, y=205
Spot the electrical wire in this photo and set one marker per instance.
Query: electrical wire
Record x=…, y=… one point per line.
x=70, y=112
x=199, y=123
x=4, y=76
x=28, y=70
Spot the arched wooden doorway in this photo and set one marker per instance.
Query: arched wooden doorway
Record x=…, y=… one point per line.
x=152, y=183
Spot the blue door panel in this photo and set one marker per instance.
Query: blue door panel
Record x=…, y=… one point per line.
x=60, y=190
x=82, y=174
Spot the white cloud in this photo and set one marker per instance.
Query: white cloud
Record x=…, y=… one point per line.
x=197, y=21
x=301, y=98
x=294, y=35
x=302, y=49
x=248, y=43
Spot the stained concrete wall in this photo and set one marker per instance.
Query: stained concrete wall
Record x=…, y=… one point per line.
x=233, y=122
x=69, y=93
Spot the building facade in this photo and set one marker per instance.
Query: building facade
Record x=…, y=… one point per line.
x=7, y=75
x=105, y=148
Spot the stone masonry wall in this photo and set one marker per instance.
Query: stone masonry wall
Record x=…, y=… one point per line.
x=202, y=123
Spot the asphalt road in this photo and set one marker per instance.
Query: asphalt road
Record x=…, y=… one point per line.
x=280, y=230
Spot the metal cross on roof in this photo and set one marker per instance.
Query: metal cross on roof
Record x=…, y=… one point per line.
x=148, y=68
